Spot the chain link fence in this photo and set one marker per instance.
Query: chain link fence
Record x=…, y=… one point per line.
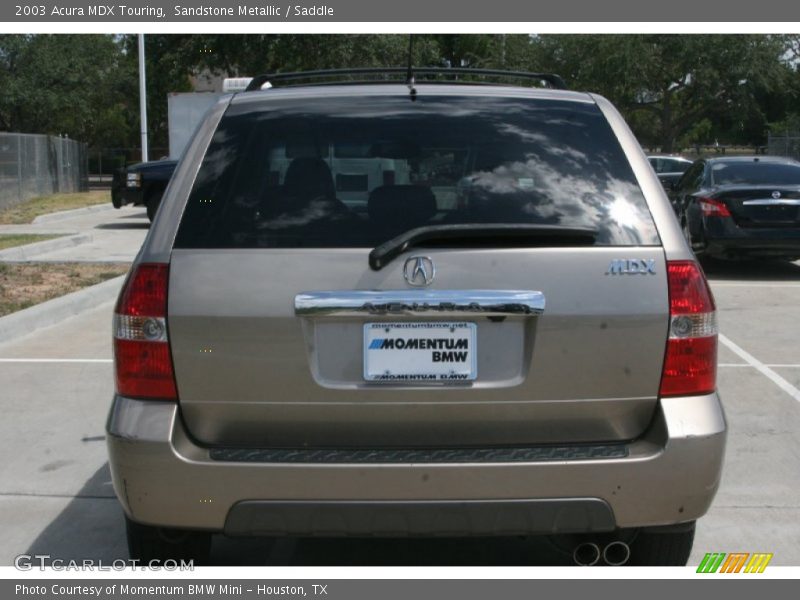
x=37, y=165
x=784, y=144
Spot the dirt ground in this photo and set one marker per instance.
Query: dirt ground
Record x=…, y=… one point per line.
x=25, y=284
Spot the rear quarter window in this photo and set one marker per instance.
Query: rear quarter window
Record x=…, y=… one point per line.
x=357, y=171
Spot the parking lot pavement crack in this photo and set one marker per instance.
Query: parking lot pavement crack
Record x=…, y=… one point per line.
x=761, y=367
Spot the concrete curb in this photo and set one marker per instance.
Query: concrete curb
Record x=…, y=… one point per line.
x=53, y=311
x=69, y=214
x=31, y=251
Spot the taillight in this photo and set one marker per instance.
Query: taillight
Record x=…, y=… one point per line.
x=713, y=208
x=142, y=360
x=690, y=365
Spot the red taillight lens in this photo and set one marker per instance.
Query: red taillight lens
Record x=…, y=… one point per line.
x=713, y=208
x=142, y=360
x=688, y=290
x=690, y=365
x=144, y=370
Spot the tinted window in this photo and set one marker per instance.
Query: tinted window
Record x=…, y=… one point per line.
x=755, y=173
x=673, y=165
x=357, y=171
x=693, y=177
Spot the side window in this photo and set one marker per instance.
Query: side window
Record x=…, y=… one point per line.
x=700, y=177
x=692, y=178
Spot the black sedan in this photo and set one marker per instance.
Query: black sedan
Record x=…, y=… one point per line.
x=741, y=207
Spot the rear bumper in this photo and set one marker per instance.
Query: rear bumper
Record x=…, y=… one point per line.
x=724, y=237
x=670, y=475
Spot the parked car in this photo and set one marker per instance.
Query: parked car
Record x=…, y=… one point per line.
x=669, y=168
x=741, y=207
x=142, y=184
x=509, y=337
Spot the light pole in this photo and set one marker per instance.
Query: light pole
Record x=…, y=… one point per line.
x=142, y=98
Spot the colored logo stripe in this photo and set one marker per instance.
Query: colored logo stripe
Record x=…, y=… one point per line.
x=734, y=562
x=711, y=562
x=758, y=562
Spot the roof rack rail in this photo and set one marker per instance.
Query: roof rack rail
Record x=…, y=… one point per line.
x=555, y=81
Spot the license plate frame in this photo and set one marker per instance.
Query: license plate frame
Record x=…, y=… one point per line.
x=403, y=352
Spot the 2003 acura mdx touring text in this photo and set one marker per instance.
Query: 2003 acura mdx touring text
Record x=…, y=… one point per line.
x=416, y=309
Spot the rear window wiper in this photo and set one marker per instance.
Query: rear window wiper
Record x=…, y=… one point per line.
x=517, y=233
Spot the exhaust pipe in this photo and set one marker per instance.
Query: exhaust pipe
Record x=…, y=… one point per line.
x=616, y=554
x=586, y=554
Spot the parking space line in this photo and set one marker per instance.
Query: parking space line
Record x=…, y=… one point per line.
x=752, y=285
x=728, y=365
x=55, y=360
x=761, y=367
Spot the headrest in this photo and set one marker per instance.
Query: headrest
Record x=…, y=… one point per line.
x=401, y=207
x=309, y=178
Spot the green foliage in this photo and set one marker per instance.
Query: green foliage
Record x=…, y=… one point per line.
x=791, y=124
x=678, y=79
x=672, y=89
x=64, y=84
x=700, y=133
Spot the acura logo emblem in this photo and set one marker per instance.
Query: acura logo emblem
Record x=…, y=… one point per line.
x=419, y=271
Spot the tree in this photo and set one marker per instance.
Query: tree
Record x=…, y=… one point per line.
x=64, y=84
x=678, y=80
x=672, y=89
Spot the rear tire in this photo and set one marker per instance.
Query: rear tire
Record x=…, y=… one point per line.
x=147, y=543
x=663, y=546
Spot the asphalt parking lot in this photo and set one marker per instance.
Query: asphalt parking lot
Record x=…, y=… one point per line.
x=56, y=497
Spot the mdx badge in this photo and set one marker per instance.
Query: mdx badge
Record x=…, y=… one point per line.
x=419, y=271
x=632, y=266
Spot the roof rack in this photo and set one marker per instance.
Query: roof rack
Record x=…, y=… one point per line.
x=257, y=82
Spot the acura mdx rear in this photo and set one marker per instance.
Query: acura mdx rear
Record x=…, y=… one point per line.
x=460, y=310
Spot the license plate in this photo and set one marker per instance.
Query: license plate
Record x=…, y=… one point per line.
x=420, y=352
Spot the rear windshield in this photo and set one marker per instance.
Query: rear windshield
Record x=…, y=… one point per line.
x=358, y=171
x=755, y=173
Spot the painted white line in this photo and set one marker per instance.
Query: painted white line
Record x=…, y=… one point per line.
x=762, y=368
x=55, y=360
x=728, y=365
x=755, y=285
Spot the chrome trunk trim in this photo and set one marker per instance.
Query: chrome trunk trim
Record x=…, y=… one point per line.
x=356, y=303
